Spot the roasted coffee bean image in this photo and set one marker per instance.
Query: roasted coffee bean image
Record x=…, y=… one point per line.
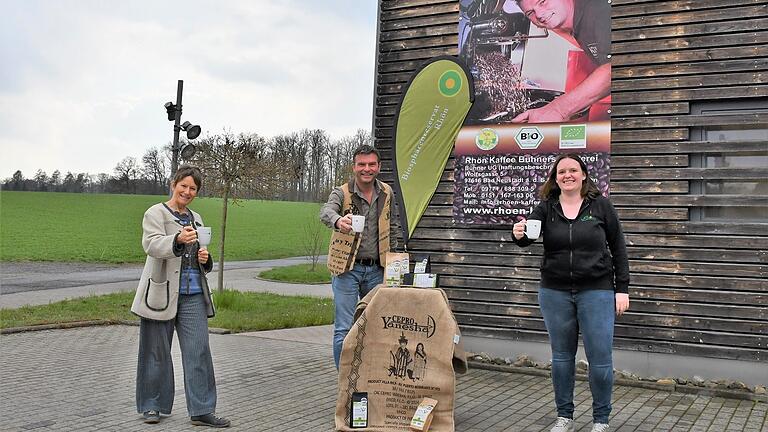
x=501, y=84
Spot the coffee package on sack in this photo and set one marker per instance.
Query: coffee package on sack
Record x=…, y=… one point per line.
x=404, y=346
x=396, y=266
x=421, y=280
x=421, y=263
x=422, y=419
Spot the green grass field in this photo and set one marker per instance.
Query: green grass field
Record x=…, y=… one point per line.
x=43, y=226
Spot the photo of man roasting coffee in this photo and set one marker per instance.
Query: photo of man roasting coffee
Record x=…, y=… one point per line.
x=537, y=61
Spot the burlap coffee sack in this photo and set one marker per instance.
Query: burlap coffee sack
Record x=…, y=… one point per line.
x=404, y=346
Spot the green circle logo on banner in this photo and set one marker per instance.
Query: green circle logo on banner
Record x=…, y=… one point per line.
x=450, y=83
x=486, y=139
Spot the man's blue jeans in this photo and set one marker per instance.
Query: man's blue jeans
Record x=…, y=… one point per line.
x=348, y=288
x=592, y=313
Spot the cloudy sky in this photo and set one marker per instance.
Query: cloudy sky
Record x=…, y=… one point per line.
x=83, y=82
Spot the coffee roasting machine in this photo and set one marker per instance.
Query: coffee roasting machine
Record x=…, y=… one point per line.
x=485, y=28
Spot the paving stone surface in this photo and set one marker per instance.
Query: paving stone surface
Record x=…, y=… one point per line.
x=83, y=380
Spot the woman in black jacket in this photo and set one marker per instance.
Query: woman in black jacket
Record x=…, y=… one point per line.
x=584, y=283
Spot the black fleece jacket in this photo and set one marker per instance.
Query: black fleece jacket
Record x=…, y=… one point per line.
x=585, y=253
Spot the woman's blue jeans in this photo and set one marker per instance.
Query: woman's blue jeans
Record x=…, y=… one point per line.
x=591, y=312
x=348, y=288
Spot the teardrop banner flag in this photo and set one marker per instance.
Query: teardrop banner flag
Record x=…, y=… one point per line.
x=430, y=114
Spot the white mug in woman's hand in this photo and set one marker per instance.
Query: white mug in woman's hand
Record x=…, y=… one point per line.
x=532, y=228
x=204, y=236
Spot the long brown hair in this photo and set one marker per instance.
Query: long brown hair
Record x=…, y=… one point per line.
x=550, y=189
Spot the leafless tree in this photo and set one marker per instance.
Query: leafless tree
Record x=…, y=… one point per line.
x=41, y=179
x=156, y=168
x=100, y=181
x=17, y=181
x=264, y=179
x=361, y=137
x=339, y=157
x=54, y=181
x=290, y=151
x=313, y=242
x=316, y=143
x=127, y=172
x=68, y=184
x=231, y=165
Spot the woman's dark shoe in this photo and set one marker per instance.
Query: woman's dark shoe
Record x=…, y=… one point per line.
x=210, y=420
x=151, y=417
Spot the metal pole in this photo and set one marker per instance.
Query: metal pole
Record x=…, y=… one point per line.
x=176, y=129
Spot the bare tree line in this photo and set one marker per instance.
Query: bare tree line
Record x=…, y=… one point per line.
x=299, y=166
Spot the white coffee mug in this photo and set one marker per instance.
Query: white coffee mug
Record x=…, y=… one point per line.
x=358, y=223
x=204, y=236
x=532, y=228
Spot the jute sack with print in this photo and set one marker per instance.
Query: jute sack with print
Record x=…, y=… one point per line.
x=404, y=346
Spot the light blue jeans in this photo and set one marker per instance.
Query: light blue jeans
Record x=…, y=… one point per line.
x=592, y=313
x=348, y=288
x=154, y=374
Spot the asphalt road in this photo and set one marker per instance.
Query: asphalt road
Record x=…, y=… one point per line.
x=30, y=283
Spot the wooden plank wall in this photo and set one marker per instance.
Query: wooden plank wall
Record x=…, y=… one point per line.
x=698, y=288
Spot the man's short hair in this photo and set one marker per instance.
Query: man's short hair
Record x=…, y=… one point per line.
x=366, y=149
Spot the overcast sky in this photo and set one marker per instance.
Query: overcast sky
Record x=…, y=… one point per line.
x=83, y=82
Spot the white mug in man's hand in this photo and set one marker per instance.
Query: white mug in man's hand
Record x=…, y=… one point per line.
x=532, y=228
x=358, y=223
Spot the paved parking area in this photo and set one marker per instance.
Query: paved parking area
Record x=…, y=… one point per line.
x=83, y=380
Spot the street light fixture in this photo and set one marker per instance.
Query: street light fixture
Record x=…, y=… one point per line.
x=193, y=131
x=187, y=150
x=170, y=108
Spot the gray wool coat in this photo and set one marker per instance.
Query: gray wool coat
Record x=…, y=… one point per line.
x=158, y=291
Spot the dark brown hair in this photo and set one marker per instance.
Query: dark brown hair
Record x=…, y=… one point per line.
x=550, y=189
x=366, y=149
x=188, y=171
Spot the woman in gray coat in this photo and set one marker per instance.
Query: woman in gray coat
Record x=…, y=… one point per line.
x=173, y=294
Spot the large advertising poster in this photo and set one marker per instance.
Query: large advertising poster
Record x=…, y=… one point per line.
x=542, y=76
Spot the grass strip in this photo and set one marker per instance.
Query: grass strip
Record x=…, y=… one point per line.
x=299, y=273
x=236, y=311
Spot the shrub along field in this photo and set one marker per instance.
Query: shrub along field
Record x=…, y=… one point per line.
x=47, y=226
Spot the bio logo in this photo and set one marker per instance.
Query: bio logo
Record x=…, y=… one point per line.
x=529, y=137
x=486, y=139
x=449, y=83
